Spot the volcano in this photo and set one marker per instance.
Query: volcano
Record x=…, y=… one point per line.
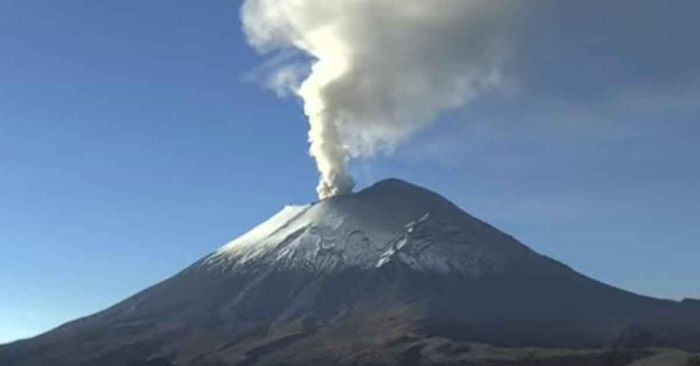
x=391, y=275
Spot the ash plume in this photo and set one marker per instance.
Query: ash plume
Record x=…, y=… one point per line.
x=373, y=72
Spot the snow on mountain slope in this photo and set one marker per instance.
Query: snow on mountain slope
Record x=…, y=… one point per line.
x=390, y=221
x=258, y=240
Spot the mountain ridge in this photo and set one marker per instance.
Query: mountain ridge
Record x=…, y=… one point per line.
x=374, y=226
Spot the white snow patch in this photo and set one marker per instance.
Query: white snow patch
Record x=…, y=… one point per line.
x=369, y=233
x=258, y=239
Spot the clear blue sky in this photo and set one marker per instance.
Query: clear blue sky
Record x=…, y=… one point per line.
x=131, y=145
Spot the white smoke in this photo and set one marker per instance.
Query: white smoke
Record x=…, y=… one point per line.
x=379, y=69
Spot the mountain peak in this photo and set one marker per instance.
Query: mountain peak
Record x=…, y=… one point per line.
x=394, y=183
x=395, y=186
x=390, y=221
x=393, y=197
x=392, y=194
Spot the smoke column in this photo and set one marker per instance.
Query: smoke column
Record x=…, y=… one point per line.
x=373, y=72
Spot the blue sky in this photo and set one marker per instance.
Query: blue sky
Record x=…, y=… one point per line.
x=133, y=143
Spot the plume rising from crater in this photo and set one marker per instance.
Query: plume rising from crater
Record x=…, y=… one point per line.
x=373, y=72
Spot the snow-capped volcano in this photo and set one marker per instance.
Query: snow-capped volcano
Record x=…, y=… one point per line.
x=388, y=222
x=391, y=275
